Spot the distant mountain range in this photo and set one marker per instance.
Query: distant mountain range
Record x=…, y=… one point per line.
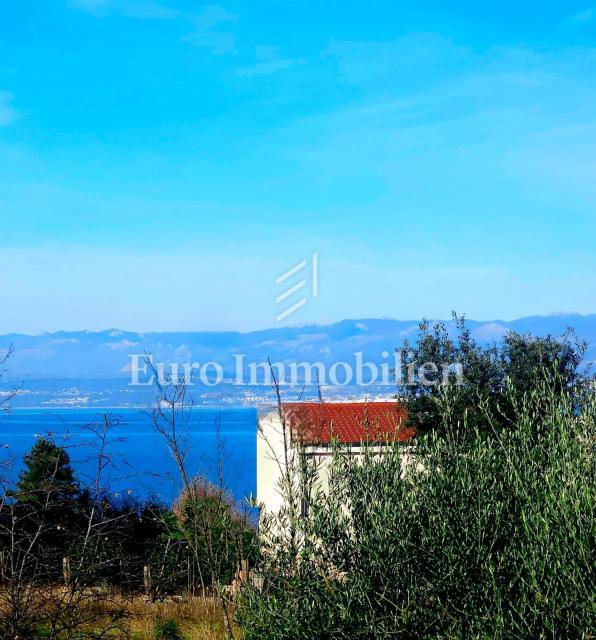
x=88, y=355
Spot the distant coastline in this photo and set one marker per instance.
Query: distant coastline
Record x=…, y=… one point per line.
x=89, y=370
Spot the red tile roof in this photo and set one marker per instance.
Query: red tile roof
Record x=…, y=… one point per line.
x=347, y=422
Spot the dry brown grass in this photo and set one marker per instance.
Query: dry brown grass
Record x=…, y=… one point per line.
x=198, y=618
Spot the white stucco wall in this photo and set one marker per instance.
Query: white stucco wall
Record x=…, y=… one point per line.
x=271, y=460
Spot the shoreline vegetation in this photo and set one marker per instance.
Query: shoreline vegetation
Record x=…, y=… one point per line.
x=490, y=535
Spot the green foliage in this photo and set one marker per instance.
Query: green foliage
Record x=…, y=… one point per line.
x=48, y=476
x=167, y=629
x=494, y=379
x=491, y=537
x=218, y=533
x=47, y=509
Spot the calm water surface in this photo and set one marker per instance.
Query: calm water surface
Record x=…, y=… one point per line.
x=141, y=464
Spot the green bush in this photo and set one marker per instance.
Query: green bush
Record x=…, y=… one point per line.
x=495, y=376
x=492, y=539
x=167, y=629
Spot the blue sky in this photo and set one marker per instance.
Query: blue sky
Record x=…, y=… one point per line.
x=161, y=163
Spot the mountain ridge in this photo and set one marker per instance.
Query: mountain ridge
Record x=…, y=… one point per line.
x=556, y=315
x=103, y=354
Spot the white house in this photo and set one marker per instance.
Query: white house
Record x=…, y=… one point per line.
x=315, y=425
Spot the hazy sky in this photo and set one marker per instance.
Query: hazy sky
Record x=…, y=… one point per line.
x=162, y=163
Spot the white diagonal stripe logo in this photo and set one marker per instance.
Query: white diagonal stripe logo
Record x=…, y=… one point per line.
x=291, y=290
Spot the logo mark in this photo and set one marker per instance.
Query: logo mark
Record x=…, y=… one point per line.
x=314, y=285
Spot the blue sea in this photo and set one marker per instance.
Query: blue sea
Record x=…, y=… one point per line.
x=140, y=463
